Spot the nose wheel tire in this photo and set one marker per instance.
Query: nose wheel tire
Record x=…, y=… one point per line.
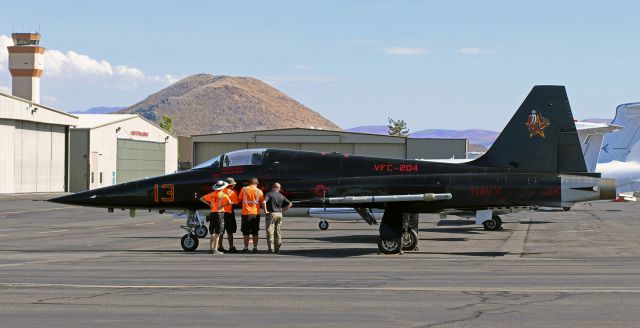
x=323, y=225
x=494, y=224
x=189, y=242
x=409, y=240
x=201, y=231
x=390, y=246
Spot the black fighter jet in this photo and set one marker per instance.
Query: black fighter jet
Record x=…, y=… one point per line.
x=535, y=162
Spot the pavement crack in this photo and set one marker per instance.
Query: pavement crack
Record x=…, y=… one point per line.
x=49, y=300
x=494, y=303
x=40, y=301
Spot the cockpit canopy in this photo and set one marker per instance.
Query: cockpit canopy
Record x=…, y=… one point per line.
x=236, y=158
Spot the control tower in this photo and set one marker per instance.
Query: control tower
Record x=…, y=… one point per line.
x=25, y=65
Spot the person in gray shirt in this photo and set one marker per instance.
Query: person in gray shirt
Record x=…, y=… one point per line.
x=274, y=205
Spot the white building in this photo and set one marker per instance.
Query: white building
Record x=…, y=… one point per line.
x=34, y=140
x=108, y=149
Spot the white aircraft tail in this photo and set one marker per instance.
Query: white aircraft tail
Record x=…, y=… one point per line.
x=620, y=146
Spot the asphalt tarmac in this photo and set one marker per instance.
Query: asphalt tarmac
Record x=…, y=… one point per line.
x=63, y=266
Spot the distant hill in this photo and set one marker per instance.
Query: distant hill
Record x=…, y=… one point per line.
x=476, y=137
x=98, y=110
x=375, y=129
x=204, y=103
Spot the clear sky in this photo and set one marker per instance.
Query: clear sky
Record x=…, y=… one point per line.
x=435, y=64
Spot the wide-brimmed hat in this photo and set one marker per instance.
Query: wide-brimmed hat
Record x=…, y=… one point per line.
x=231, y=182
x=220, y=185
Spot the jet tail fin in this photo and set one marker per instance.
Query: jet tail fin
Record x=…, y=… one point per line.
x=540, y=137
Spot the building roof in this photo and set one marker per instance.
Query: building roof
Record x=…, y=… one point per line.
x=92, y=121
x=16, y=108
x=295, y=131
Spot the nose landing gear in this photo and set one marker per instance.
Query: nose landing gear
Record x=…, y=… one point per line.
x=195, y=229
x=189, y=242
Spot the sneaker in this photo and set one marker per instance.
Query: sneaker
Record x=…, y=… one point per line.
x=232, y=249
x=255, y=250
x=221, y=249
x=245, y=250
x=217, y=252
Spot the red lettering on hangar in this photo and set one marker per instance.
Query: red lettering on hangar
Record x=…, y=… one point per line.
x=405, y=168
x=140, y=133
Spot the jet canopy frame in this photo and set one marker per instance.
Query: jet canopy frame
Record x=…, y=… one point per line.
x=241, y=157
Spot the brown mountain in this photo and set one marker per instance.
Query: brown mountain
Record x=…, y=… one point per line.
x=205, y=103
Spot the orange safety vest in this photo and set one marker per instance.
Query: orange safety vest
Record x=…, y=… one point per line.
x=251, y=198
x=218, y=200
x=232, y=197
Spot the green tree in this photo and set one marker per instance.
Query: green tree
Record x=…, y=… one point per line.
x=397, y=128
x=167, y=123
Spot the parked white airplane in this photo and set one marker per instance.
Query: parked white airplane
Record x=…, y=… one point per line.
x=620, y=154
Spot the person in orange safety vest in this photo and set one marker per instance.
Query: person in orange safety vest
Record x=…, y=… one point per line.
x=230, y=225
x=251, y=198
x=216, y=200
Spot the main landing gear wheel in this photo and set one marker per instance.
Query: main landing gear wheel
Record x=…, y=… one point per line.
x=323, y=225
x=390, y=246
x=494, y=224
x=189, y=242
x=409, y=240
x=200, y=231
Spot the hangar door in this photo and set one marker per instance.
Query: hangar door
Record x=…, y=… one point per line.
x=38, y=155
x=139, y=159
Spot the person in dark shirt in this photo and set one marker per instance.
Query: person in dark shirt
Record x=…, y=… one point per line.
x=274, y=205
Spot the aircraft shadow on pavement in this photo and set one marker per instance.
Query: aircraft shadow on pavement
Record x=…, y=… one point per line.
x=536, y=222
x=479, y=254
x=147, y=237
x=91, y=250
x=455, y=223
x=465, y=230
x=350, y=239
x=445, y=239
x=331, y=252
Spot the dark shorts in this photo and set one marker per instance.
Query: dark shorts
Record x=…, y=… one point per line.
x=230, y=225
x=215, y=223
x=250, y=225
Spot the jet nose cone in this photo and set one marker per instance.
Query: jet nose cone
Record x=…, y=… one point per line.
x=81, y=198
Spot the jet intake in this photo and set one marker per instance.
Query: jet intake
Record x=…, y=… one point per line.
x=389, y=198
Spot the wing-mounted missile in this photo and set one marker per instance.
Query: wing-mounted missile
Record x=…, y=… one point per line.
x=429, y=197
